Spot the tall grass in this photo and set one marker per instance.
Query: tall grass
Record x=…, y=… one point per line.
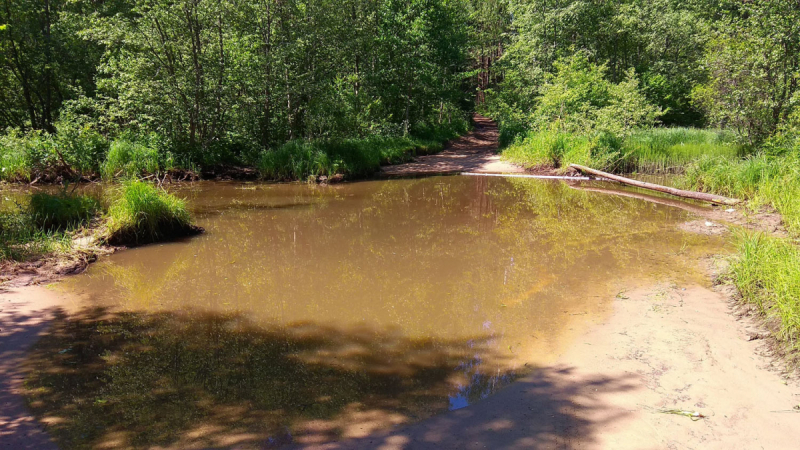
x=558, y=149
x=767, y=274
x=141, y=213
x=61, y=212
x=42, y=226
x=297, y=160
x=670, y=150
x=129, y=159
x=658, y=150
x=761, y=179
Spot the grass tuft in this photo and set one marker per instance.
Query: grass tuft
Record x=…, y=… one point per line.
x=129, y=159
x=61, y=212
x=142, y=214
x=767, y=274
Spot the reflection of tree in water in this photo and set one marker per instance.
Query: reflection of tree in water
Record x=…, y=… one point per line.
x=138, y=379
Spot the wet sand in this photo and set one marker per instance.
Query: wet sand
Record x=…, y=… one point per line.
x=24, y=316
x=664, y=348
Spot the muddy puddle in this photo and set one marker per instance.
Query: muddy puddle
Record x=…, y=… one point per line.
x=307, y=314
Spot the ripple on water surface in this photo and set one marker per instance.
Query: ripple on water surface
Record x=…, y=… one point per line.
x=312, y=313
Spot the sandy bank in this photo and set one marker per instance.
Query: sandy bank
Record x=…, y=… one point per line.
x=664, y=347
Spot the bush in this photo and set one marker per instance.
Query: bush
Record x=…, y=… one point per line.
x=579, y=99
x=141, y=213
x=61, y=212
x=130, y=159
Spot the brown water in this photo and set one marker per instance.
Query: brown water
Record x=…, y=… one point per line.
x=309, y=313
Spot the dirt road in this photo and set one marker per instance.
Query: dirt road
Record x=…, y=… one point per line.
x=475, y=152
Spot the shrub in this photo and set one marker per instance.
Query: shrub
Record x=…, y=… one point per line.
x=140, y=214
x=61, y=212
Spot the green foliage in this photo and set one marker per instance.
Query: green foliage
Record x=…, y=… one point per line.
x=22, y=238
x=767, y=273
x=141, y=213
x=559, y=149
x=129, y=158
x=670, y=150
x=61, y=212
x=297, y=160
x=762, y=179
x=754, y=66
x=662, y=41
x=580, y=99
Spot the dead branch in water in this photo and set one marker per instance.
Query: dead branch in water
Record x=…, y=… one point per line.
x=657, y=187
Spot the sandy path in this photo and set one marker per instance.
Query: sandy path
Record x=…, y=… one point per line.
x=663, y=347
x=475, y=152
x=24, y=316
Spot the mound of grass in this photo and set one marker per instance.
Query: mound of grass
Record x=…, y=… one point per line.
x=767, y=274
x=141, y=214
x=130, y=159
x=558, y=149
x=61, y=212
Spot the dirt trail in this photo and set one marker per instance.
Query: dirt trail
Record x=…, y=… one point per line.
x=475, y=152
x=663, y=348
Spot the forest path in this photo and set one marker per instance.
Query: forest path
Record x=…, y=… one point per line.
x=474, y=152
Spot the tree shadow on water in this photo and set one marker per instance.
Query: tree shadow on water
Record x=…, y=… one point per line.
x=103, y=379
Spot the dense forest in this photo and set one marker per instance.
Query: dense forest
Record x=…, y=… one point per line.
x=201, y=82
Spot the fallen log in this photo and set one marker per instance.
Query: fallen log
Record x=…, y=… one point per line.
x=717, y=199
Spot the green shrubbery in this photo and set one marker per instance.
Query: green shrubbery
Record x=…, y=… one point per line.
x=297, y=160
x=141, y=213
x=130, y=158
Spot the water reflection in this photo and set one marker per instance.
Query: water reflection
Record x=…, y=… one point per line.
x=307, y=313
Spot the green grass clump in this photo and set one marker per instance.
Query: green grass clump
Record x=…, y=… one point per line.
x=128, y=158
x=767, y=274
x=761, y=179
x=558, y=149
x=297, y=160
x=142, y=213
x=21, y=239
x=61, y=212
x=14, y=161
x=670, y=150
